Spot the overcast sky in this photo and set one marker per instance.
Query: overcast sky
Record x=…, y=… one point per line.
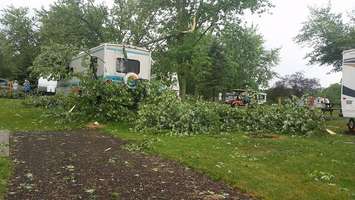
x=279, y=28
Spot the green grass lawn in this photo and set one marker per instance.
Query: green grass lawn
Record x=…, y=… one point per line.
x=338, y=125
x=281, y=167
x=15, y=116
x=5, y=171
x=271, y=168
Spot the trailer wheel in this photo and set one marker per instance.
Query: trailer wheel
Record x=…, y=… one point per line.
x=351, y=125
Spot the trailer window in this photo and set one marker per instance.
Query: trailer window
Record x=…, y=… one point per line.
x=127, y=66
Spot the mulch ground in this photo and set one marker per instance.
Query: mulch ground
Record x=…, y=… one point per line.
x=91, y=165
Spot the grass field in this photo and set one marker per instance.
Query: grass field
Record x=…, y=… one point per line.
x=273, y=167
x=270, y=167
x=5, y=171
x=15, y=116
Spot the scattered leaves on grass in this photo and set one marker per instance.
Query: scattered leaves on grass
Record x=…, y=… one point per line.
x=321, y=176
x=146, y=145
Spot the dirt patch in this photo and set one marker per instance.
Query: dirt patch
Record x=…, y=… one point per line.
x=90, y=165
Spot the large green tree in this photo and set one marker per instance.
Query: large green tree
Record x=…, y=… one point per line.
x=19, y=42
x=213, y=78
x=250, y=65
x=86, y=23
x=234, y=59
x=194, y=19
x=328, y=35
x=74, y=22
x=5, y=71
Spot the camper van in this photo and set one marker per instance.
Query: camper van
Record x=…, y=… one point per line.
x=348, y=88
x=115, y=63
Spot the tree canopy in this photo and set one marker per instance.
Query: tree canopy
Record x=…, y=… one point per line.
x=328, y=35
x=333, y=93
x=18, y=42
x=294, y=85
x=205, y=42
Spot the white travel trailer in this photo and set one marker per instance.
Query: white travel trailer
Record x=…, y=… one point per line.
x=115, y=63
x=47, y=86
x=348, y=88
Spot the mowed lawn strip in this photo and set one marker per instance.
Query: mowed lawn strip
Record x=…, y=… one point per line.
x=274, y=168
x=15, y=116
x=5, y=171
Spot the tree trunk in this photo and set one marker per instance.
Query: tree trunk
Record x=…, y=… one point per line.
x=183, y=85
x=182, y=25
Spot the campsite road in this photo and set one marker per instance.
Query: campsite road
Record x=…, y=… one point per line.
x=90, y=165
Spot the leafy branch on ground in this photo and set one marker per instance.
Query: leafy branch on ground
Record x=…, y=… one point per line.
x=142, y=146
x=153, y=108
x=168, y=114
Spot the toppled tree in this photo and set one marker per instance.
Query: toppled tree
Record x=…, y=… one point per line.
x=53, y=61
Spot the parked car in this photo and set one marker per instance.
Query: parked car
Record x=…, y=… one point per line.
x=3, y=86
x=3, y=83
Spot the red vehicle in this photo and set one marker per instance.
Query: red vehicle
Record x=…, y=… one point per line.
x=238, y=98
x=244, y=97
